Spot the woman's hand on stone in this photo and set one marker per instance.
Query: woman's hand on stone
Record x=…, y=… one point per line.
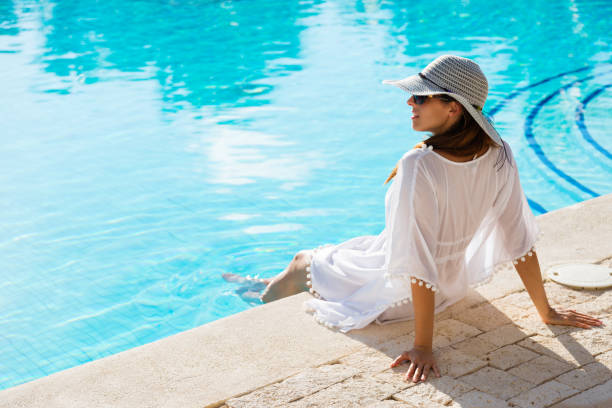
x=570, y=317
x=421, y=361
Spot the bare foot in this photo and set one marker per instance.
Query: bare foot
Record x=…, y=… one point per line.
x=232, y=277
x=278, y=287
x=248, y=295
x=289, y=282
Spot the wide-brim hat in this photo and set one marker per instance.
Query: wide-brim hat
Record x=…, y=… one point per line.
x=459, y=77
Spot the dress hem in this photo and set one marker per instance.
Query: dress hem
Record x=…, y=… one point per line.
x=381, y=308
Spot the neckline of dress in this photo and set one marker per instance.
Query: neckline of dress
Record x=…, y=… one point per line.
x=465, y=162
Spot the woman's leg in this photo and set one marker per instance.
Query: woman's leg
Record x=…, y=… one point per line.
x=290, y=281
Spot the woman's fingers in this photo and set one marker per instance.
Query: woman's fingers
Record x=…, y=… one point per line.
x=425, y=372
x=436, y=370
x=410, y=371
x=420, y=366
x=585, y=316
x=573, y=318
x=582, y=320
x=399, y=360
x=588, y=320
x=417, y=373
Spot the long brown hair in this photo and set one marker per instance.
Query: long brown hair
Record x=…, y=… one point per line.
x=464, y=139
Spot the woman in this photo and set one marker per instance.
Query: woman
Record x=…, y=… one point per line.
x=454, y=211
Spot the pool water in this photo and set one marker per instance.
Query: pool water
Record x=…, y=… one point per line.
x=149, y=147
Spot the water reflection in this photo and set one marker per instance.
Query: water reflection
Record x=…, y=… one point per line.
x=8, y=19
x=203, y=52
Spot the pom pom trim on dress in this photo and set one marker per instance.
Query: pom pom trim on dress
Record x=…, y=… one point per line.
x=407, y=299
x=351, y=286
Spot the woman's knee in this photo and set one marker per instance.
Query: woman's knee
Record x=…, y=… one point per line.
x=302, y=257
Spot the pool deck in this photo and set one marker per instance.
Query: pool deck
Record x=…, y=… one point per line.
x=491, y=347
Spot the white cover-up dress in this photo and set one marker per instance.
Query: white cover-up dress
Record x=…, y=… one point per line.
x=447, y=225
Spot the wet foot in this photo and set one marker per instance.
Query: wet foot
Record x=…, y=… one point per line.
x=247, y=294
x=278, y=288
x=232, y=277
x=250, y=288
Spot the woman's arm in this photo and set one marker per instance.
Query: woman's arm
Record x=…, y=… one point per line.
x=421, y=355
x=529, y=271
x=423, y=302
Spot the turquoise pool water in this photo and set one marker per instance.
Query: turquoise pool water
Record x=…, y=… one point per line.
x=148, y=147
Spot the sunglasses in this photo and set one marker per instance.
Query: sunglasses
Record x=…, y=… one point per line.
x=420, y=99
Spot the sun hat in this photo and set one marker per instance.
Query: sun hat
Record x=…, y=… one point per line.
x=459, y=77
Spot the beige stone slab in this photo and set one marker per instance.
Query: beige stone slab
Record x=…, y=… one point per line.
x=533, y=324
x=578, y=346
x=357, y=391
x=484, y=317
x=478, y=399
x=435, y=391
x=563, y=297
x=450, y=361
x=475, y=346
x=496, y=382
x=507, y=281
x=568, y=234
x=540, y=369
x=396, y=376
x=388, y=404
x=543, y=395
x=503, y=335
x=454, y=330
x=295, y=387
x=369, y=360
x=396, y=346
x=599, y=396
x=587, y=376
x=595, y=340
x=509, y=356
x=562, y=348
x=373, y=334
x=455, y=363
x=599, y=307
x=472, y=299
x=605, y=359
x=519, y=299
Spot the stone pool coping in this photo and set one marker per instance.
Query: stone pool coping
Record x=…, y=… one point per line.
x=242, y=360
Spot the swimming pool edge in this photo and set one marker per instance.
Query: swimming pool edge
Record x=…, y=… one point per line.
x=236, y=355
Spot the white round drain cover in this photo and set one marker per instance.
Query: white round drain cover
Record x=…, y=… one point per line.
x=581, y=275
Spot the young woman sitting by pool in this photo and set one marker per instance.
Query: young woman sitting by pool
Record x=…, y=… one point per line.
x=454, y=210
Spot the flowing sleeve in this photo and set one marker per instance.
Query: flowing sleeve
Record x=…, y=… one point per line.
x=515, y=220
x=509, y=234
x=412, y=224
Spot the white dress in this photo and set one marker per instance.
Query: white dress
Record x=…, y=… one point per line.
x=447, y=225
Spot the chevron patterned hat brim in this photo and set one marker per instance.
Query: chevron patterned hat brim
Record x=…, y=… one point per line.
x=462, y=79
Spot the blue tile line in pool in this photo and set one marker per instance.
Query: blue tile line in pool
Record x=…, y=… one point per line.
x=529, y=135
x=535, y=146
x=580, y=121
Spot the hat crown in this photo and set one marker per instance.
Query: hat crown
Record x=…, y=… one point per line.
x=459, y=75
